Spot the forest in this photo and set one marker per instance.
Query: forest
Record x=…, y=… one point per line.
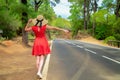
x=100, y=21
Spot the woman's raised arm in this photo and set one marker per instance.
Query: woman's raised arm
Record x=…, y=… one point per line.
x=56, y=28
x=27, y=27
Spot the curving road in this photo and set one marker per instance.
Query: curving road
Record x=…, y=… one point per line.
x=74, y=60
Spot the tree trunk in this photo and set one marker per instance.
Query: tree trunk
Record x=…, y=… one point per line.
x=7, y=4
x=88, y=12
x=94, y=25
x=117, y=11
x=24, y=21
x=85, y=15
x=37, y=4
x=24, y=33
x=94, y=18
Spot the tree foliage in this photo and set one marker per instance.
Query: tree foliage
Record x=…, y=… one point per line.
x=76, y=18
x=99, y=19
x=8, y=21
x=102, y=20
x=11, y=14
x=62, y=23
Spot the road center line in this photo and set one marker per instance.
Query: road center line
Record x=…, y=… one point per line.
x=111, y=59
x=79, y=46
x=68, y=42
x=95, y=53
x=91, y=51
x=74, y=44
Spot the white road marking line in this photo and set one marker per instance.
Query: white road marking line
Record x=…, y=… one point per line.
x=67, y=41
x=74, y=44
x=79, y=46
x=91, y=51
x=95, y=53
x=46, y=65
x=111, y=59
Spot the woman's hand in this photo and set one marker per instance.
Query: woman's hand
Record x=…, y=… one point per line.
x=27, y=27
x=30, y=20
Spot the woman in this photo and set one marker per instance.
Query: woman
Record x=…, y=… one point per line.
x=40, y=46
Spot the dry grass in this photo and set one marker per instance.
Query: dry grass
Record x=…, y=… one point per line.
x=12, y=47
x=92, y=40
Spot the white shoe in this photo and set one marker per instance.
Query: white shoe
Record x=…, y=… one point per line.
x=40, y=75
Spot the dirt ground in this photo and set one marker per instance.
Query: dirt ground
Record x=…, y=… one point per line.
x=17, y=63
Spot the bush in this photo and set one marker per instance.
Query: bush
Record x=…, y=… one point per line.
x=117, y=36
x=109, y=38
x=103, y=31
x=8, y=33
x=2, y=39
x=30, y=36
x=100, y=32
x=9, y=24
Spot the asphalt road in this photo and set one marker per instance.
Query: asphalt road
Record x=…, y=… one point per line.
x=74, y=60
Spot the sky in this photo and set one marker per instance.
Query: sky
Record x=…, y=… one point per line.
x=63, y=9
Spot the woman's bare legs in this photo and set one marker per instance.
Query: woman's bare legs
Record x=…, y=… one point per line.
x=40, y=61
x=37, y=61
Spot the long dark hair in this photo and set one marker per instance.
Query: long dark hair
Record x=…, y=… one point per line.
x=39, y=21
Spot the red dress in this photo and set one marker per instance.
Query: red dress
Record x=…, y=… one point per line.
x=40, y=46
